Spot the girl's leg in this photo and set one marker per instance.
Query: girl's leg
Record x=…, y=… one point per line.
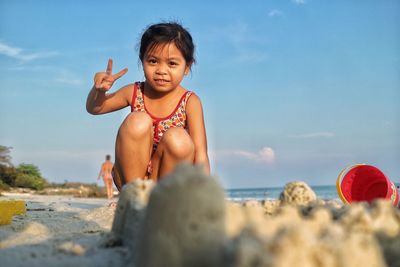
x=133, y=148
x=175, y=146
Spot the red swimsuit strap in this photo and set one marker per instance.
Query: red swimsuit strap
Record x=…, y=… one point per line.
x=134, y=96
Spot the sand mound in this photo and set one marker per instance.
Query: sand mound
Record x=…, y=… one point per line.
x=185, y=220
x=189, y=223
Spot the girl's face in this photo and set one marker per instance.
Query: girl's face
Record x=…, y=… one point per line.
x=164, y=67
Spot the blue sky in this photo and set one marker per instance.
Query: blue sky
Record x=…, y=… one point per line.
x=292, y=90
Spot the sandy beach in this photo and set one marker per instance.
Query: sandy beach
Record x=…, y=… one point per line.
x=58, y=231
x=186, y=220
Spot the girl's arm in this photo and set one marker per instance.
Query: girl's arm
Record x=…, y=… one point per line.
x=98, y=101
x=197, y=131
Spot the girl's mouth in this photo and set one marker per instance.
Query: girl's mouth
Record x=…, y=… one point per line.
x=161, y=81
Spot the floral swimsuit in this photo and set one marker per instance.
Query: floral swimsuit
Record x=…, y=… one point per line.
x=160, y=125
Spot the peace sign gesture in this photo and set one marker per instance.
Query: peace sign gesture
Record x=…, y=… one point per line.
x=103, y=81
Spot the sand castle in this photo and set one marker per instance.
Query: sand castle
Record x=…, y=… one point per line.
x=185, y=220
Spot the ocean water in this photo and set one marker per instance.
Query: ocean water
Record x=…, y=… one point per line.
x=325, y=192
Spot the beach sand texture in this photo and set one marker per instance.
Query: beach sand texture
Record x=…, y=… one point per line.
x=185, y=220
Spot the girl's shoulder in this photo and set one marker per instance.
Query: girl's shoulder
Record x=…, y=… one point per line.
x=193, y=103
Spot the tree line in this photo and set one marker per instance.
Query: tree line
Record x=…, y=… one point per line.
x=23, y=175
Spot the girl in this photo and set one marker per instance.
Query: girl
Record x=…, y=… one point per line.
x=166, y=125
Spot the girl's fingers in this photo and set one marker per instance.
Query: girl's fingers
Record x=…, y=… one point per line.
x=97, y=83
x=104, y=80
x=120, y=74
x=109, y=66
x=98, y=79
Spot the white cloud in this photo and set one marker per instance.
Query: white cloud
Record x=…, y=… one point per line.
x=68, y=78
x=57, y=74
x=69, y=81
x=313, y=135
x=20, y=54
x=275, y=13
x=23, y=67
x=248, y=45
x=265, y=155
x=252, y=56
x=298, y=2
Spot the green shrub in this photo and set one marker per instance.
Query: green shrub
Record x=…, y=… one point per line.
x=24, y=175
x=29, y=176
x=28, y=169
x=29, y=181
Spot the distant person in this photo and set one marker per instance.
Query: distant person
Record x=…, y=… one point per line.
x=166, y=125
x=106, y=173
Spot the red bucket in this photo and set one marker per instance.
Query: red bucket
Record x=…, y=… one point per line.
x=361, y=182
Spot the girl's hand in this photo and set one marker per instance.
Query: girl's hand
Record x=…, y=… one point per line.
x=103, y=81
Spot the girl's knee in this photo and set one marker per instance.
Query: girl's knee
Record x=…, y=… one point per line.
x=178, y=142
x=137, y=124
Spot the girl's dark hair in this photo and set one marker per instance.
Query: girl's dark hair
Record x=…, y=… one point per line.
x=163, y=33
x=108, y=157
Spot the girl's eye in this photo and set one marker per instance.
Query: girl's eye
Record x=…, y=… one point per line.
x=152, y=61
x=173, y=63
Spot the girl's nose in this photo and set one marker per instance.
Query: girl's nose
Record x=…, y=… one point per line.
x=161, y=69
